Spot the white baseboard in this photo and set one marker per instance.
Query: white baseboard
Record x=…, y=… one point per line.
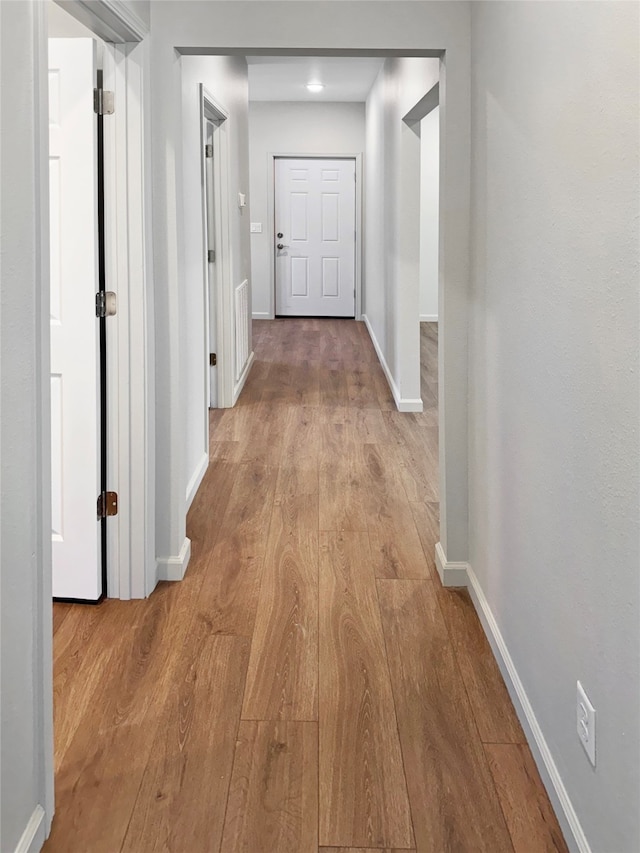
x=403, y=404
x=174, y=568
x=243, y=378
x=196, y=478
x=261, y=315
x=428, y=318
x=410, y=404
x=551, y=779
x=33, y=836
x=451, y=574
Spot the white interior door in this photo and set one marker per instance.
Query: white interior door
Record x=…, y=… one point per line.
x=315, y=222
x=74, y=327
x=210, y=154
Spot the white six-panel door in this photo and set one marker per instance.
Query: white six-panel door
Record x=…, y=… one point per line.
x=315, y=221
x=74, y=327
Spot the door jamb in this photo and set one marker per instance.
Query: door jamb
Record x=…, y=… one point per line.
x=213, y=110
x=271, y=220
x=131, y=570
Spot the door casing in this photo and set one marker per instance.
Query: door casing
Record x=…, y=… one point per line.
x=271, y=216
x=132, y=571
x=218, y=297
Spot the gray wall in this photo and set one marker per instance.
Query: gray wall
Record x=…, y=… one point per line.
x=142, y=8
x=553, y=360
x=290, y=128
x=25, y=527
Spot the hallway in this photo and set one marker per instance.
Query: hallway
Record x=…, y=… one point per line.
x=309, y=685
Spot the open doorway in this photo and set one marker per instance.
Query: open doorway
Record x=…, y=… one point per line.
x=100, y=453
x=429, y=267
x=215, y=227
x=92, y=183
x=429, y=214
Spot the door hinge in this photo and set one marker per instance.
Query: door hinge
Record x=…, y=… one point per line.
x=208, y=150
x=103, y=103
x=211, y=256
x=213, y=359
x=106, y=303
x=107, y=504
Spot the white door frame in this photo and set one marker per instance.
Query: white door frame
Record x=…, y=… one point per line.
x=131, y=537
x=271, y=218
x=223, y=296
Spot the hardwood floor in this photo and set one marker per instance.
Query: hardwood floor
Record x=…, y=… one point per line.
x=309, y=686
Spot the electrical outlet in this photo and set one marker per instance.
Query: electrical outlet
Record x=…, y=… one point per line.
x=586, y=723
x=256, y=227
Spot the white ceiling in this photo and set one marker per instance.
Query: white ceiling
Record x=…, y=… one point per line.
x=284, y=78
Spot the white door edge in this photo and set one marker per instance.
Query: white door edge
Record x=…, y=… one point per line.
x=75, y=357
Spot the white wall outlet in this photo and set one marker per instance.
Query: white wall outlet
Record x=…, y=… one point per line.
x=586, y=721
x=256, y=227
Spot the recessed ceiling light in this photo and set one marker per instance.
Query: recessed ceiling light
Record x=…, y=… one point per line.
x=315, y=87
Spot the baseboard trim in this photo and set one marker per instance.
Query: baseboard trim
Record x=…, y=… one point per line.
x=175, y=568
x=196, y=478
x=403, y=404
x=451, y=574
x=261, y=315
x=428, y=318
x=567, y=817
x=243, y=377
x=33, y=836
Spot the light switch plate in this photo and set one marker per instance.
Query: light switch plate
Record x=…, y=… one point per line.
x=586, y=723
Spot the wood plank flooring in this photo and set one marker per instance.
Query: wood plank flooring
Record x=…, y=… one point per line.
x=309, y=687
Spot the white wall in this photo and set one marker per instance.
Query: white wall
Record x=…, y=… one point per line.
x=26, y=783
x=225, y=78
x=392, y=217
x=141, y=8
x=553, y=361
x=62, y=25
x=429, y=213
x=108, y=19
x=290, y=128
x=243, y=27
